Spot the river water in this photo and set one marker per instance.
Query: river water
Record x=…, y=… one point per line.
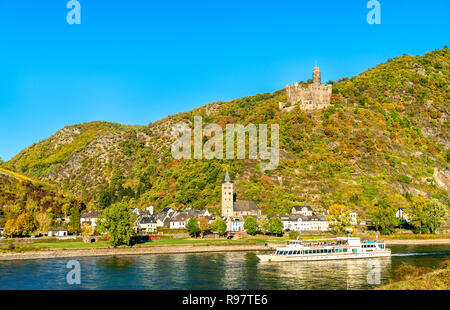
x=235, y=270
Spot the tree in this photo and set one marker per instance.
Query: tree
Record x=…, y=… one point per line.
x=74, y=221
x=26, y=224
x=275, y=226
x=87, y=230
x=426, y=216
x=192, y=227
x=118, y=221
x=10, y=228
x=203, y=225
x=219, y=226
x=383, y=218
x=251, y=225
x=43, y=222
x=263, y=225
x=339, y=218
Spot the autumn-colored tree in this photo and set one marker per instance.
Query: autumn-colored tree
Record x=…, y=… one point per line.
x=203, y=224
x=339, y=218
x=26, y=224
x=10, y=228
x=263, y=225
x=87, y=230
x=43, y=222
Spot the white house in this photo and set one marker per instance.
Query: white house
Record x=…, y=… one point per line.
x=402, y=213
x=57, y=232
x=354, y=218
x=234, y=223
x=302, y=210
x=90, y=218
x=297, y=222
x=179, y=220
x=146, y=224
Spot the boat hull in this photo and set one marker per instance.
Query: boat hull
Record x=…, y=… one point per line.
x=313, y=257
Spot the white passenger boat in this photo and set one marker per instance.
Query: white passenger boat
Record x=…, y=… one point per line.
x=323, y=249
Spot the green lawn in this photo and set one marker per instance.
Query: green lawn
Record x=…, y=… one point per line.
x=44, y=244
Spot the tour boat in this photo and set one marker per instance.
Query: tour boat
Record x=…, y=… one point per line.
x=323, y=249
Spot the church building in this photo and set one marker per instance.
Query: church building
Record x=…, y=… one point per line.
x=233, y=207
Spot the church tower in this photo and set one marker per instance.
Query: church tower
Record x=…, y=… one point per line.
x=227, y=196
x=316, y=76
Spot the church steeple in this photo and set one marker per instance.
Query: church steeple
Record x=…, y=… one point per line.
x=227, y=177
x=227, y=196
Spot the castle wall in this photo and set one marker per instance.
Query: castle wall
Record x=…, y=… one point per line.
x=315, y=96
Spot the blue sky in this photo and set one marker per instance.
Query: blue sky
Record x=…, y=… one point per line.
x=137, y=61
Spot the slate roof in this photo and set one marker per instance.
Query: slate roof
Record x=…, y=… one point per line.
x=91, y=214
x=299, y=208
x=245, y=205
x=147, y=220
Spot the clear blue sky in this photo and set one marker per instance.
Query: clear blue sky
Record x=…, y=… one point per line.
x=136, y=61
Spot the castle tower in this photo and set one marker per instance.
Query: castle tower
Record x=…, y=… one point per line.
x=227, y=196
x=316, y=76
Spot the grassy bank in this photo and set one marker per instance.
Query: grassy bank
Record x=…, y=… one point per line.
x=49, y=244
x=434, y=280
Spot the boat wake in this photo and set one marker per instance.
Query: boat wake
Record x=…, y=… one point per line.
x=421, y=254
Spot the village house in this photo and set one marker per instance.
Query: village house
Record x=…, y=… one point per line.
x=179, y=221
x=163, y=217
x=234, y=223
x=232, y=207
x=146, y=224
x=90, y=218
x=402, y=213
x=297, y=222
x=57, y=232
x=141, y=212
x=302, y=210
x=354, y=218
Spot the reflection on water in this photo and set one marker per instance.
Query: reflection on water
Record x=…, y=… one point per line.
x=238, y=270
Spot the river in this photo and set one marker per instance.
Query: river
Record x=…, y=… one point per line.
x=234, y=270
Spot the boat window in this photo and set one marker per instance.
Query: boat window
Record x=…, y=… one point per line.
x=354, y=250
x=290, y=252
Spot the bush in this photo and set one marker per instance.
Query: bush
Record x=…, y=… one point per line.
x=293, y=235
x=406, y=272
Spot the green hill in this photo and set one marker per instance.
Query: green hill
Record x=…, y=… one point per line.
x=386, y=135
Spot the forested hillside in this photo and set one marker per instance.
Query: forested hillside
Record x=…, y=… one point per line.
x=386, y=136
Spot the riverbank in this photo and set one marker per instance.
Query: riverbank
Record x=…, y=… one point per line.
x=142, y=250
x=417, y=241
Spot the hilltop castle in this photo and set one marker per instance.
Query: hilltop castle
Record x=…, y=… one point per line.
x=231, y=207
x=315, y=96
